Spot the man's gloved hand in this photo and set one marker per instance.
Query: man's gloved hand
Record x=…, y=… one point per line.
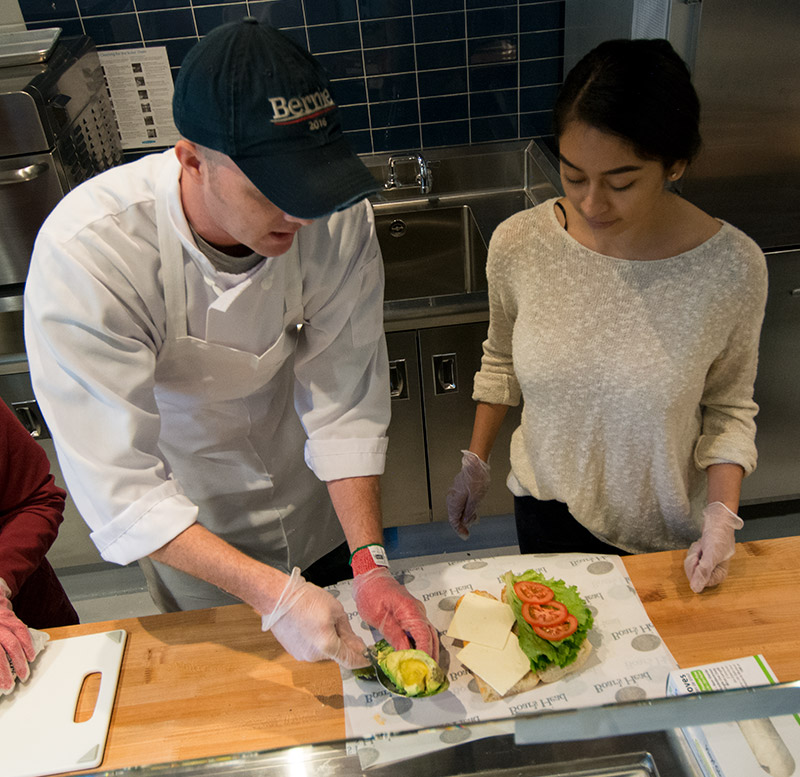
x=469, y=487
x=388, y=607
x=312, y=626
x=16, y=646
x=706, y=563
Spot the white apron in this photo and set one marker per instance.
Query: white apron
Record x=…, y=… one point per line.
x=232, y=439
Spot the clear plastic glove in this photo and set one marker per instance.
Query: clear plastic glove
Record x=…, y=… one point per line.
x=16, y=645
x=469, y=487
x=388, y=607
x=312, y=626
x=706, y=563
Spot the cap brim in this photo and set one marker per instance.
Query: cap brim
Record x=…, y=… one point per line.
x=313, y=182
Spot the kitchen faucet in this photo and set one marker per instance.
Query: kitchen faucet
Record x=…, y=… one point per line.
x=424, y=179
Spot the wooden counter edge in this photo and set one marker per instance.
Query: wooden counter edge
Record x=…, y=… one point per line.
x=697, y=628
x=755, y=610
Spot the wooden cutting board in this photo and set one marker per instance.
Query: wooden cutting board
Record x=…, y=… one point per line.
x=39, y=734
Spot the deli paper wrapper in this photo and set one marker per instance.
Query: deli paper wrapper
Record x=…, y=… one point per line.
x=629, y=660
x=39, y=639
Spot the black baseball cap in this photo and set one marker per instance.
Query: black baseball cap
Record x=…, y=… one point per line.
x=250, y=92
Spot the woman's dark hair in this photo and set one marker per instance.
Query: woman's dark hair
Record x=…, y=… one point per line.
x=639, y=90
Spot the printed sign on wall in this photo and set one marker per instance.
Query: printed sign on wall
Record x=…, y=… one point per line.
x=140, y=85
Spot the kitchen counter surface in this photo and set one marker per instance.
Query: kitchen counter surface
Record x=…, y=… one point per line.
x=209, y=682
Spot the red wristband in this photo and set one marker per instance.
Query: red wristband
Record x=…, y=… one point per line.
x=368, y=557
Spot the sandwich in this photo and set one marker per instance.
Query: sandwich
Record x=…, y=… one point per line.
x=549, y=624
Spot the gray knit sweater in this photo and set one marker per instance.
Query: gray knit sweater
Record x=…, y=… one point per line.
x=636, y=375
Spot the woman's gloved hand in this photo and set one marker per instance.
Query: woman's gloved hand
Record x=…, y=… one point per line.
x=706, y=563
x=469, y=487
x=312, y=626
x=388, y=607
x=16, y=646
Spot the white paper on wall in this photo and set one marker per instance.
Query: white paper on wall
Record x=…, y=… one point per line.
x=140, y=86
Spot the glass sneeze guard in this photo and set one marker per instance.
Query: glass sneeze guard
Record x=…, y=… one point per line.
x=627, y=739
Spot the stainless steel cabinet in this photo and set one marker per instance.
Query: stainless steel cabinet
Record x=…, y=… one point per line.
x=777, y=389
x=404, y=486
x=432, y=414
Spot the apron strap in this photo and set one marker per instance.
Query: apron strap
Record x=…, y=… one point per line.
x=294, y=278
x=171, y=252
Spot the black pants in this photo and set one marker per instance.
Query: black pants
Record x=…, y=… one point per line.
x=548, y=527
x=42, y=602
x=333, y=567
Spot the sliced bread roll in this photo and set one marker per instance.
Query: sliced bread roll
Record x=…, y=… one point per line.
x=549, y=675
x=529, y=681
x=554, y=672
x=484, y=594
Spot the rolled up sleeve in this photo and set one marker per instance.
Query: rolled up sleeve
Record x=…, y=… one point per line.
x=146, y=525
x=728, y=426
x=341, y=366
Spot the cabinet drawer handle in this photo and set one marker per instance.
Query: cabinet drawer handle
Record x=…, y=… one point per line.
x=398, y=383
x=444, y=368
x=31, y=417
x=22, y=174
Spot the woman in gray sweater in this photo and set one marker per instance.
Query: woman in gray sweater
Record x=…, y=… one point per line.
x=628, y=320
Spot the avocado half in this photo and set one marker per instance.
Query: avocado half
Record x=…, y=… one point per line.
x=412, y=672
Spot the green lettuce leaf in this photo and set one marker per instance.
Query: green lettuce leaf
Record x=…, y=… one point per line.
x=542, y=652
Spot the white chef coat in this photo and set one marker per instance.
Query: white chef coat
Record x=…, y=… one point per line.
x=141, y=463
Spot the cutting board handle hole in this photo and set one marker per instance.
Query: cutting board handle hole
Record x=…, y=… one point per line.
x=87, y=698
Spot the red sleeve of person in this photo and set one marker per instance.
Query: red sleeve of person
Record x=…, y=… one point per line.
x=31, y=510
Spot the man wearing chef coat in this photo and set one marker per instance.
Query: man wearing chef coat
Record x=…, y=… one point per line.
x=205, y=338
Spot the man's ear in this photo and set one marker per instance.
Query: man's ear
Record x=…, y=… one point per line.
x=190, y=158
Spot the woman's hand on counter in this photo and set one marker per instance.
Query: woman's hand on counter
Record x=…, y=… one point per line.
x=388, y=607
x=706, y=563
x=312, y=625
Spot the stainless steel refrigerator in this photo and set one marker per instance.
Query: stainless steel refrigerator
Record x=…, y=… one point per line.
x=745, y=62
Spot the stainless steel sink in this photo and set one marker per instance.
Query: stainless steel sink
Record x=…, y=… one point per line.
x=434, y=240
x=430, y=252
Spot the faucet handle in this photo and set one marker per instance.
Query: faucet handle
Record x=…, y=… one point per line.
x=424, y=178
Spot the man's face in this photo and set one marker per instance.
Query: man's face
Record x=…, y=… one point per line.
x=237, y=213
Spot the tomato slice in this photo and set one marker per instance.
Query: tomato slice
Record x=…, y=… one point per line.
x=547, y=614
x=558, y=631
x=533, y=593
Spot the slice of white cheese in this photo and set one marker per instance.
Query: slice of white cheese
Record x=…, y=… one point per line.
x=502, y=669
x=485, y=621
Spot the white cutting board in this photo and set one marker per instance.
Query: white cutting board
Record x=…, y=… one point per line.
x=38, y=732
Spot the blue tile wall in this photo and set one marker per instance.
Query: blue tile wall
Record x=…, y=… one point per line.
x=408, y=74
